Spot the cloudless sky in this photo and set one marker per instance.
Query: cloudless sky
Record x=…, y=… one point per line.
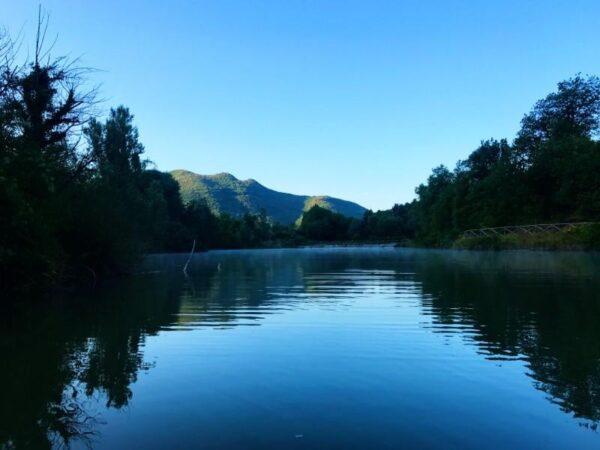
x=354, y=99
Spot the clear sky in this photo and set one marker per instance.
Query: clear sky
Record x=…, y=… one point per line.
x=355, y=99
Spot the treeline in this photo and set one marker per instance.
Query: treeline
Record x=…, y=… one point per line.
x=322, y=225
x=549, y=173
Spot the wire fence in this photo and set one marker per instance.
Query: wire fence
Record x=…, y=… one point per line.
x=523, y=229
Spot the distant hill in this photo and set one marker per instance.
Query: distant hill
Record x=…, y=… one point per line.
x=224, y=193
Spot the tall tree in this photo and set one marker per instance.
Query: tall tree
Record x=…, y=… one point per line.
x=573, y=110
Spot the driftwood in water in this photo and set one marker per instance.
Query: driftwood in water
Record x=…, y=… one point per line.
x=189, y=258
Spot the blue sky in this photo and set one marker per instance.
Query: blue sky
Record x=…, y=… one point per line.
x=355, y=99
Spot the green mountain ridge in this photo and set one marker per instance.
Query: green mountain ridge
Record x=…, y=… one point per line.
x=224, y=193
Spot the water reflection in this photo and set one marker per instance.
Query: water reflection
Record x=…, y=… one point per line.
x=65, y=364
x=55, y=359
x=543, y=309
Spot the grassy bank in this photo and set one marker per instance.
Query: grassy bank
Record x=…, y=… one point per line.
x=586, y=237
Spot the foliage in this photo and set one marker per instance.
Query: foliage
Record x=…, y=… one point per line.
x=320, y=224
x=550, y=173
x=396, y=224
x=41, y=169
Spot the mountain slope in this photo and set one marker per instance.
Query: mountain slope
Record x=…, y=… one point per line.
x=224, y=193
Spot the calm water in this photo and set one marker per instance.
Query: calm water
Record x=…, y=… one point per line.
x=314, y=348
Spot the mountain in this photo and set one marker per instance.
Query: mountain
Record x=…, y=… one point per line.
x=224, y=193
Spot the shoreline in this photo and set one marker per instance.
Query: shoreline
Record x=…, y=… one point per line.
x=586, y=238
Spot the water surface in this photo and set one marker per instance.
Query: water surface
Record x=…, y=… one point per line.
x=314, y=348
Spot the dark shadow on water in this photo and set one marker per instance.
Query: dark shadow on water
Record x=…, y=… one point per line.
x=55, y=358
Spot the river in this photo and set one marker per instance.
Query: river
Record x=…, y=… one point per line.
x=366, y=347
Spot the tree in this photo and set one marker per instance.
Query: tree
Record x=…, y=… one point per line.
x=434, y=206
x=42, y=106
x=115, y=146
x=321, y=224
x=573, y=110
x=123, y=212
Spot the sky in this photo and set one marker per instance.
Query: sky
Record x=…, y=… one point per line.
x=353, y=99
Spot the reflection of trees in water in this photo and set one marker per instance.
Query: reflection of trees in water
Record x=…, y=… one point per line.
x=228, y=289
x=550, y=317
x=69, y=419
x=55, y=359
x=58, y=361
x=543, y=307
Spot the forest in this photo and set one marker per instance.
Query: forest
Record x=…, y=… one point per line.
x=549, y=173
x=78, y=199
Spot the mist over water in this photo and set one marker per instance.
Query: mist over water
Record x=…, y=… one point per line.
x=371, y=347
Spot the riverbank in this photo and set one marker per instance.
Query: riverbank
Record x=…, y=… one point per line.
x=581, y=238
